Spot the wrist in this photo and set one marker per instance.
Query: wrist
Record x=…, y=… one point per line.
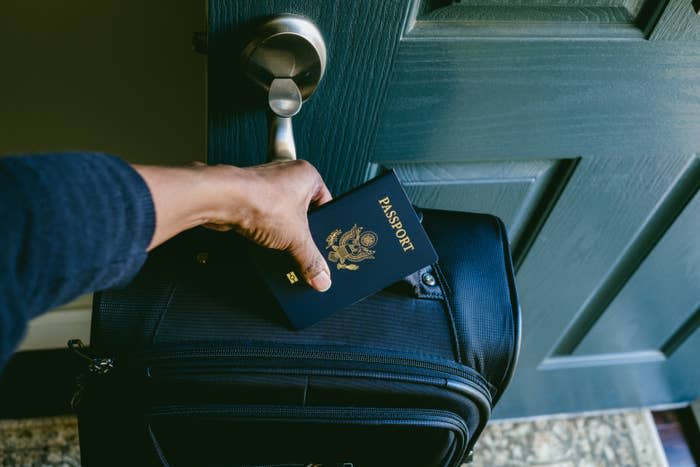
x=183, y=197
x=223, y=195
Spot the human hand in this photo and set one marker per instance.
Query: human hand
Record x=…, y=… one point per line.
x=270, y=208
x=266, y=203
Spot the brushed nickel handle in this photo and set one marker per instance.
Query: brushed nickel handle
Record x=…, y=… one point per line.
x=285, y=101
x=287, y=59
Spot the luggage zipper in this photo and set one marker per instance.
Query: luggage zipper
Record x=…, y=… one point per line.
x=96, y=365
x=321, y=413
x=102, y=366
x=319, y=355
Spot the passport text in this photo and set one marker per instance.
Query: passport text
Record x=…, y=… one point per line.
x=393, y=218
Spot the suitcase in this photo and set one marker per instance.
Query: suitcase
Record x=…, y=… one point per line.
x=193, y=364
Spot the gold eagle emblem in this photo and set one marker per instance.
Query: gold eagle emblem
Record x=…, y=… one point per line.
x=354, y=246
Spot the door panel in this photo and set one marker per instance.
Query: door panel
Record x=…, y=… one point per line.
x=519, y=192
x=576, y=122
x=612, y=19
x=534, y=99
x=660, y=304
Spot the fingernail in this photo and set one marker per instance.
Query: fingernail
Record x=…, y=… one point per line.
x=321, y=281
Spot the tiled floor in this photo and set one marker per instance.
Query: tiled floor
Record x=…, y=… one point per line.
x=39, y=442
x=619, y=439
x=609, y=439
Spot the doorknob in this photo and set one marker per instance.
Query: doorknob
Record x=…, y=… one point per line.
x=287, y=59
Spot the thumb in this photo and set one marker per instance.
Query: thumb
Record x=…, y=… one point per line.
x=313, y=266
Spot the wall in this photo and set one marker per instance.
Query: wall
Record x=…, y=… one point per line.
x=110, y=75
x=113, y=76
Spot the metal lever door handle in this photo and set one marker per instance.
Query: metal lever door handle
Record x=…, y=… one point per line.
x=287, y=59
x=281, y=145
x=284, y=100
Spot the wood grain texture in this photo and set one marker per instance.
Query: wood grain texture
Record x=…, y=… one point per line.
x=528, y=13
x=659, y=298
x=534, y=18
x=484, y=100
x=335, y=129
x=539, y=30
x=454, y=10
x=625, y=271
x=516, y=192
x=604, y=205
x=679, y=22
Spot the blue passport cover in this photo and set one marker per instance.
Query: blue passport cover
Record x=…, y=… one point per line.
x=370, y=237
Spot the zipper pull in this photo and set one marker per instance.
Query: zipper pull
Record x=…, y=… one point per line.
x=79, y=390
x=97, y=365
x=100, y=366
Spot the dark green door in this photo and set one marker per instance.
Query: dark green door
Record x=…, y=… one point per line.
x=576, y=121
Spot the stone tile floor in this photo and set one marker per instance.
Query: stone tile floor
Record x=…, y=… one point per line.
x=39, y=442
x=624, y=439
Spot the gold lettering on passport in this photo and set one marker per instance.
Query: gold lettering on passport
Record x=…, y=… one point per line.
x=292, y=277
x=350, y=247
x=395, y=223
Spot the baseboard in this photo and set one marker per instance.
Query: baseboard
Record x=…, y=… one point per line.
x=53, y=329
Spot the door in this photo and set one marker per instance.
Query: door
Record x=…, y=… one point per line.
x=575, y=121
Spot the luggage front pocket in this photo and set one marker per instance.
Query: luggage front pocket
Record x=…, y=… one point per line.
x=235, y=435
x=196, y=363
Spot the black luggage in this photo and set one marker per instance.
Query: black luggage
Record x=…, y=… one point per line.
x=194, y=364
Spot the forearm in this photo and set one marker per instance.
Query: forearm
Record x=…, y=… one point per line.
x=186, y=197
x=76, y=223
x=181, y=197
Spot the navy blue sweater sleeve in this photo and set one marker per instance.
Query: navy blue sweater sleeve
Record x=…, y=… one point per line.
x=69, y=224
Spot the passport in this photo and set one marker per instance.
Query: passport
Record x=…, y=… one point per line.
x=370, y=237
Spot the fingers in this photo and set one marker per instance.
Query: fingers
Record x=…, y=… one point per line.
x=319, y=191
x=322, y=195
x=313, y=266
x=275, y=200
